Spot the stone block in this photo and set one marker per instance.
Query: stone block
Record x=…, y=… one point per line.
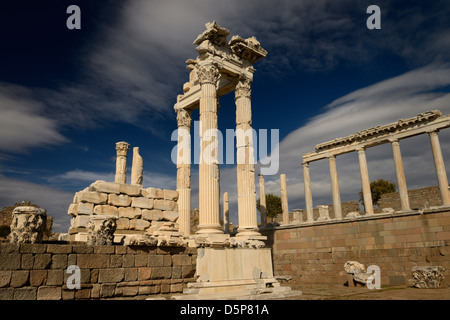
x=121, y=200
x=131, y=274
x=55, y=277
x=130, y=189
x=33, y=248
x=73, y=209
x=156, y=261
x=165, y=205
x=27, y=261
x=59, y=261
x=181, y=260
x=25, y=293
x=170, y=215
x=152, y=214
x=145, y=273
x=140, y=260
x=130, y=212
x=123, y=224
x=42, y=261
x=106, y=210
x=139, y=224
x=142, y=202
x=79, y=221
x=5, y=278
x=93, y=197
x=59, y=248
x=49, y=293
x=85, y=208
x=106, y=187
x=161, y=273
x=19, y=278
x=90, y=261
x=9, y=248
x=111, y=275
x=6, y=293
x=170, y=195
x=38, y=277
x=107, y=290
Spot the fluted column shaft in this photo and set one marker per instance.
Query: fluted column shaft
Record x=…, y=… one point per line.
x=245, y=162
x=184, y=171
x=284, y=199
x=308, y=193
x=262, y=201
x=400, y=173
x=209, y=176
x=226, y=213
x=440, y=167
x=335, y=188
x=365, y=181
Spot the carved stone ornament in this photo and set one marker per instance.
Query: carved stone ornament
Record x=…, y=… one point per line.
x=122, y=148
x=28, y=224
x=208, y=73
x=184, y=118
x=243, y=89
x=100, y=229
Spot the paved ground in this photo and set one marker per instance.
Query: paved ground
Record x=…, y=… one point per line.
x=362, y=293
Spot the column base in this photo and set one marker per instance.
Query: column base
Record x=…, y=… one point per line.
x=209, y=229
x=250, y=233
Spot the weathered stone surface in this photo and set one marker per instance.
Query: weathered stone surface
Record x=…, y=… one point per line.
x=100, y=230
x=166, y=205
x=170, y=215
x=111, y=275
x=142, y=202
x=106, y=210
x=153, y=193
x=49, y=293
x=73, y=209
x=131, y=190
x=170, y=195
x=129, y=212
x=5, y=278
x=121, y=200
x=137, y=167
x=123, y=224
x=361, y=277
x=139, y=224
x=152, y=214
x=79, y=221
x=85, y=208
x=92, y=197
x=428, y=276
x=28, y=224
x=25, y=293
x=106, y=187
x=353, y=267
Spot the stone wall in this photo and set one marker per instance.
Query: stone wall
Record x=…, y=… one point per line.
x=39, y=271
x=418, y=199
x=139, y=210
x=316, y=254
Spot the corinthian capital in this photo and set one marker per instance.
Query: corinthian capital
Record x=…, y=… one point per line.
x=122, y=148
x=208, y=73
x=243, y=89
x=184, y=118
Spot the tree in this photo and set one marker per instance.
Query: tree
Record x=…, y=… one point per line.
x=377, y=188
x=273, y=205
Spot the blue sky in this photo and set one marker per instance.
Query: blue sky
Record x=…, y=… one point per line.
x=66, y=96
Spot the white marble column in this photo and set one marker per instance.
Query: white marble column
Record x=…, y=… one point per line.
x=400, y=173
x=308, y=193
x=440, y=167
x=226, y=214
x=262, y=201
x=248, y=224
x=121, y=161
x=284, y=199
x=137, y=167
x=184, y=171
x=209, y=175
x=365, y=181
x=335, y=188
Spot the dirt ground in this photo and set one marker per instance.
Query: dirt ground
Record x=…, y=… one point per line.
x=362, y=293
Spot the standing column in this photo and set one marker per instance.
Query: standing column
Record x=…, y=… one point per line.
x=137, y=167
x=440, y=167
x=226, y=214
x=184, y=171
x=262, y=201
x=245, y=162
x=400, y=173
x=284, y=199
x=121, y=161
x=308, y=194
x=209, y=177
x=365, y=181
x=335, y=188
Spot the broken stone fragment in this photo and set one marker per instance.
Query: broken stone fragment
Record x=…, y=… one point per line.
x=354, y=267
x=428, y=276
